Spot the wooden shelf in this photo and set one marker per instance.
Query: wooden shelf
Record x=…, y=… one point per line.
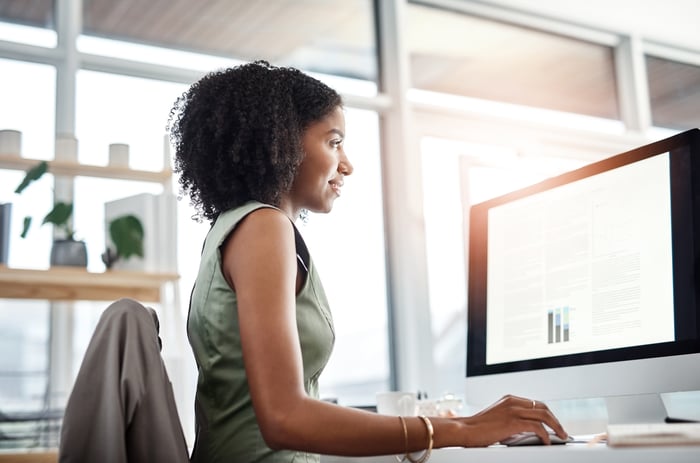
x=77, y=284
x=72, y=169
x=71, y=283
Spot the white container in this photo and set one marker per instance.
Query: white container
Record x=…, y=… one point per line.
x=119, y=155
x=11, y=142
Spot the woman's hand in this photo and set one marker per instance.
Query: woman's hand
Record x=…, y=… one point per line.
x=508, y=416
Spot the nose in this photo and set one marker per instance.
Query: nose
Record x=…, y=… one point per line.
x=345, y=166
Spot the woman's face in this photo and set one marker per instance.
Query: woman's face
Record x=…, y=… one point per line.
x=321, y=173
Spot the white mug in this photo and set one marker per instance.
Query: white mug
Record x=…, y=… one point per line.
x=397, y=403
x=11, y=142
x=119, y=155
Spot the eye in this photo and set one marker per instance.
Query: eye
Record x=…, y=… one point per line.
x=336, y=143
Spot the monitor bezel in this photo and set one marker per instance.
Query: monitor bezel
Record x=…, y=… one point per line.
x=684, y=150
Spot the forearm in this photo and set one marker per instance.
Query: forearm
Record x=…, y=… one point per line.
x=320, y=427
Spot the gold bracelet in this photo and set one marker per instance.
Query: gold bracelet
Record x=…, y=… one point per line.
x=405, y=440
x=429, y=448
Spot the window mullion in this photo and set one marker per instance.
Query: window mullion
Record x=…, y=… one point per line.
x=632, y=85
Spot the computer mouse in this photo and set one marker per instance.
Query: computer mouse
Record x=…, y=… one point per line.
x=530, y=438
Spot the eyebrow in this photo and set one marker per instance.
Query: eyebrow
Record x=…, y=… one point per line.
x=337, y=132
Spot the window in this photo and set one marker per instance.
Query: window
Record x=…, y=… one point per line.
x=347, y=246
x=24, y=342
x=480, y=58
x=332, y=37
x=109, y=116
x=28, y=96
x=28, y=22
x=674, y=91
x=38, y=14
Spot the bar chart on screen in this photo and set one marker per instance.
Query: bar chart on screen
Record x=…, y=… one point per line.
x=558, y=325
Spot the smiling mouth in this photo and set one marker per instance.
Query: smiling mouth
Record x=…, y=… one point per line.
x=336, y=186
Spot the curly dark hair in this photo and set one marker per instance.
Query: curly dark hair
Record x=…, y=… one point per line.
x=238, y=133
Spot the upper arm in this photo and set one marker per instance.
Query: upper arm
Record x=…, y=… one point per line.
x=259, y=261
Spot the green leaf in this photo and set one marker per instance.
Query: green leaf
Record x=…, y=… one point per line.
x=25, y=226
x=32, y=174
x=126, y=233
x=59, y=215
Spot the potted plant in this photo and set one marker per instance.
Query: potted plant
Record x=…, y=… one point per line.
x=66, y=250
x=126, y=231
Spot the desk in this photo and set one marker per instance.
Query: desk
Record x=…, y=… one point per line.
x=570, y=453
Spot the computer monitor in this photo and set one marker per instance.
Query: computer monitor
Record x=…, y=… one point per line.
x=585, y=285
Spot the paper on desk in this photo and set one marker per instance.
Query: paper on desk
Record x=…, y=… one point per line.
x=641, y=434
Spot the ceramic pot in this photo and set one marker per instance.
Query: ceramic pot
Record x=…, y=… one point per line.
x=69, y=252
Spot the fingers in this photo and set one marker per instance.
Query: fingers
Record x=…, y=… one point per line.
x=521, y=402
x=541, y=432
x=540, y=414
x=527, y=403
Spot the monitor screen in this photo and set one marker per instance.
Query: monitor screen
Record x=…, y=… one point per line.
x=595, y=266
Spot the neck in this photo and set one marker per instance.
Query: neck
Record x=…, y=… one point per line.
x=289, y=209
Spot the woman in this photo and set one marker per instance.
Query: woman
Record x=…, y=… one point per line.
x=256, y=147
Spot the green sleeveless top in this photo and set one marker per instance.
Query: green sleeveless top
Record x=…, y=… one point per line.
x=226, y=427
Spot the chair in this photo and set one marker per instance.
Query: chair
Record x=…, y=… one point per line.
x=122, y=408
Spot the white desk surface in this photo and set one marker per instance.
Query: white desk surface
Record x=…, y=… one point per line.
x=581, y=418
x=570, y=453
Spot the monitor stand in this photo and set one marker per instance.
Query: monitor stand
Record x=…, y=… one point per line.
x=639, y=408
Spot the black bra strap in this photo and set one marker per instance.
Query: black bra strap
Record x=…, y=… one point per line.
x=302, y=250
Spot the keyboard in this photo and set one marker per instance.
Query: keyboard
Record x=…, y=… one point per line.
x=639, y=434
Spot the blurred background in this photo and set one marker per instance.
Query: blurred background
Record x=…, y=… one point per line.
x=448, y=103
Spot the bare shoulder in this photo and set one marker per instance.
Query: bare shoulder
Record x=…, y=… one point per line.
x=261, y=246
x=260, y=234
x=265, y=222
